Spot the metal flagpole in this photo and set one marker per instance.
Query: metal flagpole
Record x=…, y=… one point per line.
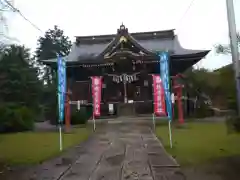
x=60, y=137
x=154, y=123
x=153, y=115
x=170, y=133
x=59, y=119
x=234, y=47
x=61, y=96
x=94, y=123
x=93, y=104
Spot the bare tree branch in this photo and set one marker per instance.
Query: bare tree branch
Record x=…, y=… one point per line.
x=225, y=49
x=222, y=49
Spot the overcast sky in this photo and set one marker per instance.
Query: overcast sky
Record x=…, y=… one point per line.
x=204, y=25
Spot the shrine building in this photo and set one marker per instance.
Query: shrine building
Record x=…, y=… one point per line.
x=126, y=62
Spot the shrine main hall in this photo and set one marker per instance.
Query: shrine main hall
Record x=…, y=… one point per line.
x=126, y=62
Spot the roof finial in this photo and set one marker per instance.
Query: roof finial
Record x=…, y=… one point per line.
x=122, y=26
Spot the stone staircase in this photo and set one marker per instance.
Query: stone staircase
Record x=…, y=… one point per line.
x=125, y=109
x=143, y=120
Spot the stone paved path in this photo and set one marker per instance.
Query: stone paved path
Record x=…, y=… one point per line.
x=115, y=152
x=124, y=152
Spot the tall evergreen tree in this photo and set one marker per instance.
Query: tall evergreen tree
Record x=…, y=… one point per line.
x=19, y=83
x=227, y=74
x=52, y=43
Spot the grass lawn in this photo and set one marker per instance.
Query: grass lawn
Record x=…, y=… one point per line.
x=35, y=147
x=200, y=142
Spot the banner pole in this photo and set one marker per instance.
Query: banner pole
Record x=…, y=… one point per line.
x=164, y=72
x=153, y=118
x=61, y=92
x=94, y=124
x=60, y=137
x=170, y=133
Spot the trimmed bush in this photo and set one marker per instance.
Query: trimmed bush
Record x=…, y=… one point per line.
x=89, y=111
x=82, y=116
x=232, y=104
x=77, y=117
x=175, y=113
x=26, y=118
x=233, y=124
x=203, y=111
x=15, y=119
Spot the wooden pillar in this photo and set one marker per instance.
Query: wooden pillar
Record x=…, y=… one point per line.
x=178, y=90
x=180, y=108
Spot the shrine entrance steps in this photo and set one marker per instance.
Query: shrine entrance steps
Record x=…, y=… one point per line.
x=126, y=109
x=140, y=120
x=138, y=109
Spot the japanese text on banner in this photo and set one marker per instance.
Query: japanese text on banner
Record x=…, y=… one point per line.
x=61, y=87
x=96, y=91
x=158, y=95
x=164, y=71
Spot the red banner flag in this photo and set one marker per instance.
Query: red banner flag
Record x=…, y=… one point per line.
x=96, y=93
x=158, y=96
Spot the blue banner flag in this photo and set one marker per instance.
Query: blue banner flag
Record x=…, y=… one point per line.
x=61, y=87
x=164, y=73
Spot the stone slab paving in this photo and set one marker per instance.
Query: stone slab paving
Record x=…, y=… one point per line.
x=115, y=152
x=131, y=152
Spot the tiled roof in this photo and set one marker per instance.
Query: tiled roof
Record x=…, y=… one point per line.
x=89, y=47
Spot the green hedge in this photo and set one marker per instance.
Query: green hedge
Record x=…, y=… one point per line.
x=15, y=119
x=77, y=117
x=232, y=104
x=82, y=116
x=203, y=111
x=233, y=124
